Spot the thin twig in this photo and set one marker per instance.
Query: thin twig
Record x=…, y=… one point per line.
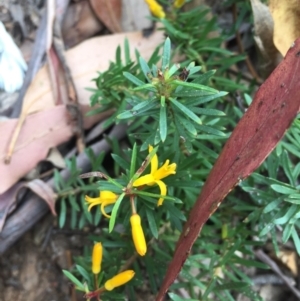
x=69, y=265
x=261, y=255
x=242, y=50
x=75, y=114
x=92, y=174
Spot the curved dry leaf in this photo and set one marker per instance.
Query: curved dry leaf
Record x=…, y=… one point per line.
x=108, y=12
x=44, y=191
x=286, y=16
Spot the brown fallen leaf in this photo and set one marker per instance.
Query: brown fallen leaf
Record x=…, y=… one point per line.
x=264, y=27
x=289, y=258
x=286, y=16
x=48, y=127
x=79, y=24
x=44, y=191
x=109, y=12
x=272, y=111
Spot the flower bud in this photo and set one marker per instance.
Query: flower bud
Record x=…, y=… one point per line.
x=97, y=258
x=138, y=234
x=179, y=3
x=118, y=280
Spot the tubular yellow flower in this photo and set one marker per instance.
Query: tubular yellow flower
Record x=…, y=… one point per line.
x=156, y=9
x=178, y=3
x=105, y=198
x=97, y=258
x=138, y=234
x=156, y=175
x=119, y=280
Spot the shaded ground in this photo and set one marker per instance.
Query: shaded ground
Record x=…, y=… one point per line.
x=31, y=269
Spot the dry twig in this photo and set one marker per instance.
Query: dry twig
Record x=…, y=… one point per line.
x=261, y=255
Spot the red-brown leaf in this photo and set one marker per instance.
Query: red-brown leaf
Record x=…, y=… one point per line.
x=274, y=107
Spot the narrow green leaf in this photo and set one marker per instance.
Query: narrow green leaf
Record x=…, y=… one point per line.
x=112, y=219
x=120, y=161
x=189, y=126
x=174, y=211
x=85, y=274
x=293, y=198
x=172, y=70
x=133, y=79
x=208, y=112
x=195, y=86
x=152, y=223
x=271, y=206
x=266, y=229
x=216, y=49
x=62, y=213
x=186, y=111
x=239, y=286
x=177, y=298
x=127, y=51
x=73, y=221
x=166, y=54
x=97, y=217
x=209, y=288
x=150, y=268
x=287, y=231
x=154, y=195
x=149, y=87
x=211, y=130
x=285, y=218
x=296, y=240
x=283, y=189
x=137, y=110
x=162, y=100
x=249, y=263
x=118, y=56
x=203, y=78
x=86, y=213
x=133, y=161
x=145, y=68
x=78, y=284
x=286, y=164
x=73, y=202
x=163, y=127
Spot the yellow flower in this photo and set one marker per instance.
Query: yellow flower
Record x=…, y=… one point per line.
x=105, y=198
x=178, y=3
x=156, y=9
x=118, y=280
x=138, y=234
x=97, y=258
x=156, y=175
